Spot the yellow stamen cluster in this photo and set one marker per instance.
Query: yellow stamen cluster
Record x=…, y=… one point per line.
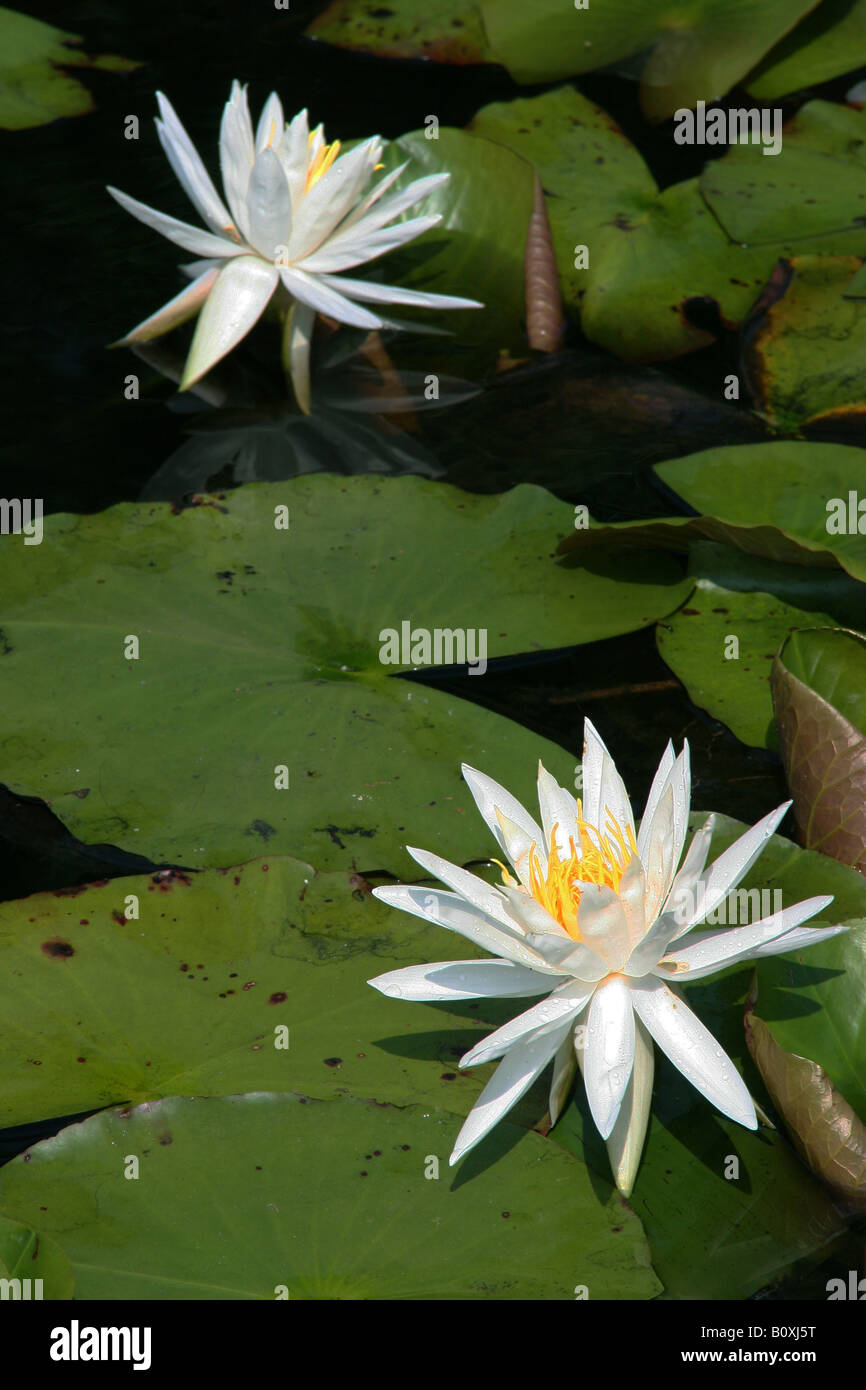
x=595, y=857
x=321, y=163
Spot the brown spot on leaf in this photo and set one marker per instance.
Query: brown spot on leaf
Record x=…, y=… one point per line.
x=59, y=950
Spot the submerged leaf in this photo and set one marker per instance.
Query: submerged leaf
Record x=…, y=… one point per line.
x=824, y=1129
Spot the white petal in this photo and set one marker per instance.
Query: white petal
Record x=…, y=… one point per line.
x=681, y=781
x=193, y=269
x=331, y=197
x=176, y=311
x=490, y=796
x=269, y=206
x=344, y=254
x=796, y=940
x=361, y=224
x=514, y=1075
x=454, y=913
x=693, y=1049
x=608, y=1053
x=373, y=293
x=189, y=168
x=530, y=916
x=293, y=152
x=237, y=153
x=568, y=1002
x=558, y=810
x=665, y=833
x=272, y=124
x=237, y=300
x=299, y=336
x=632, y=896
x=461, y=979
x=309, y=290
x=731, y=866
x=564, y=1064
x=604, y=792
x=192, y=239
x=571, y=957
x=482, y=895
x=372, y=197
x=658, y=855
x=518, y=847
x=626, y=1140
x=601, y=923
x=710, y=951
x=649, y=951
x=681, y=900
x=659, y=783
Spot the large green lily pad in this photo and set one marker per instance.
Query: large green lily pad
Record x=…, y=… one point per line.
x=260, y=649
x=271, y=1197
x=700, y=48
x=98, y=1009
x=33, y=87
x=805, y=347
x=592, y=175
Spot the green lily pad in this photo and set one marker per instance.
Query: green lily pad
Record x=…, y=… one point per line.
x=805, y=346
x=477, y=249
x=656, y=274
x=712, y=1235
x=827, y=43
x=722, y=642
x=33, y=87
x=782, y=488
x=661, y=282
x=774, y=501
x=259, y=649
x=700, y=48
x=591, y=173
x=818, y=684
x=820, y=171
x=37, y=1264
x=815, y=1006
x=271, y=1197
x=98, y=1008
x=450, y=32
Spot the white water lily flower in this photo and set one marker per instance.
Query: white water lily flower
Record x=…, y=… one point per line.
x=298, y=214
x=594, y=917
